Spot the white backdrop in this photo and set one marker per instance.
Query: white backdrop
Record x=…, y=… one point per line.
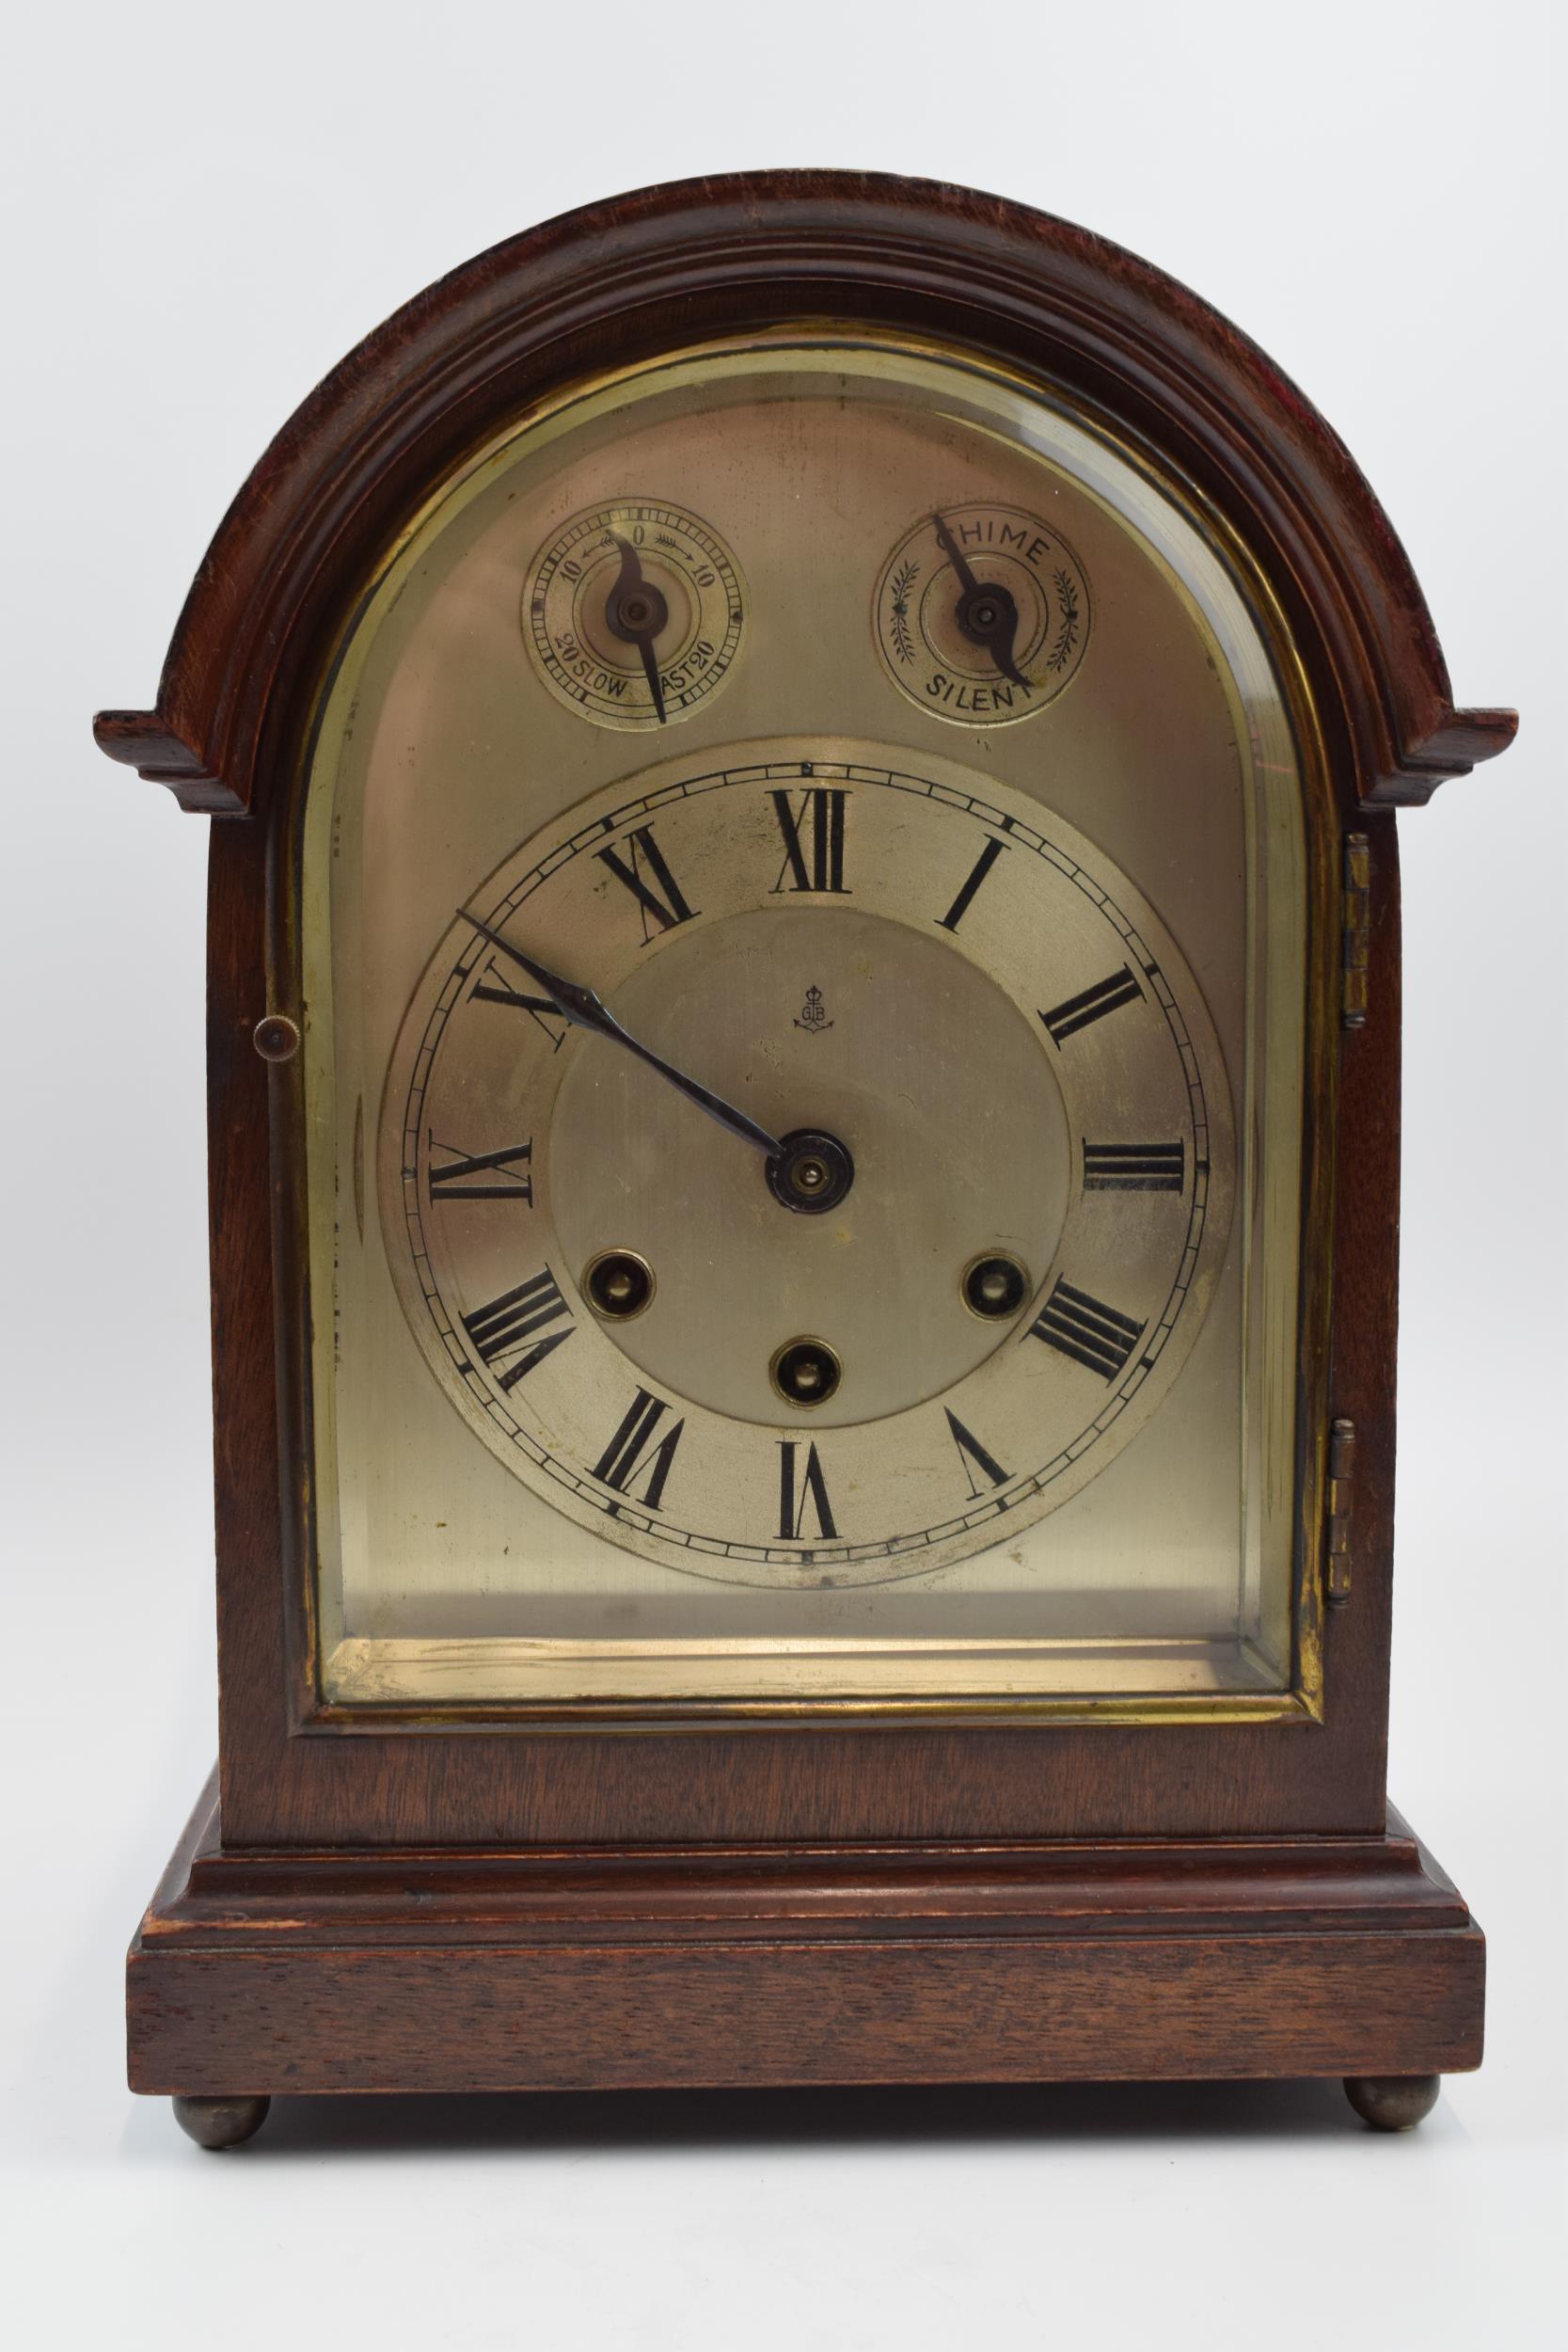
x=205, y=207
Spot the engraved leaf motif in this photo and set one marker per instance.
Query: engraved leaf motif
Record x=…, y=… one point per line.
x=1071, y=618
x=903, y=580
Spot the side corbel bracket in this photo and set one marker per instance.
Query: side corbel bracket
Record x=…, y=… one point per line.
x=144, y=740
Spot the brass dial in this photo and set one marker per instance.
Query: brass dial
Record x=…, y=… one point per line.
x=792, y=1210
x=982, y=614
x=633, y=612
x=977, y=1259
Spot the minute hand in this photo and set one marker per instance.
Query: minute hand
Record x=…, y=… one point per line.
x=584, y=1011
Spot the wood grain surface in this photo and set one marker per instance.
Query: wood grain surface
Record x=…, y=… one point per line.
x=625, y=279
x=424, y=1902
x=426, y=1972
x=290, y=1776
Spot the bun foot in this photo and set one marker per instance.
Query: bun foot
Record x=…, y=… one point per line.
x=1392, y=2102
x=221, y=2123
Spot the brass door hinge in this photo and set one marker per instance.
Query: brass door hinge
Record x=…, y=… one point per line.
x=1342, y=1479
x=1356, y=927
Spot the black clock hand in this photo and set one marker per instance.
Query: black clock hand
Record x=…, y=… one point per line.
x=987, y=613
x=584, y=1011
x=635, y=613
x=968, y=584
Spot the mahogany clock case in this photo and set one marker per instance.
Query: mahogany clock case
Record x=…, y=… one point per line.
x=382, y=1901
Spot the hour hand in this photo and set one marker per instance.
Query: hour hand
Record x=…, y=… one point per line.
x=987, y=613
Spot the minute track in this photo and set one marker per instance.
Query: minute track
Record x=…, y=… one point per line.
x=959, y=828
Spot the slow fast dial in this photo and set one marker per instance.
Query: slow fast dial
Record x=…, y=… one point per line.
x=633, y=614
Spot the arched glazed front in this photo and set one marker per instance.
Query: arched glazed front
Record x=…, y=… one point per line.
x=1094, y=1502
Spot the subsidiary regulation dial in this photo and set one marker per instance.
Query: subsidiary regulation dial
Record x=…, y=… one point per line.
x=633, y=614
x=982, y=614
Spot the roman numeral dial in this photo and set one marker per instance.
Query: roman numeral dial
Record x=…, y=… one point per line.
x=936, y=1251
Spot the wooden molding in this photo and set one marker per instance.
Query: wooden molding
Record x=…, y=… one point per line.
x=708, y=257
x=401, y=1903
x=143, y=741
x=306, y=1971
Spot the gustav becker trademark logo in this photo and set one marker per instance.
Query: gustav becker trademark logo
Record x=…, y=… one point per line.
x=814, y=1014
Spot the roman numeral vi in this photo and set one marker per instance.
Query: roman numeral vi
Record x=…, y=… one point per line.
x=813, y=1490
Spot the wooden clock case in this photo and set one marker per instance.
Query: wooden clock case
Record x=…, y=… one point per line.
x=369, y=1901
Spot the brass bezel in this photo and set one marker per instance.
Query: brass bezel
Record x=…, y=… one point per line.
x=984, y=1257
x=602, y=1257
x=804, y=1339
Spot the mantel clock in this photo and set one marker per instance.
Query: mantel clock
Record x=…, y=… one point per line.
x=803, y=1062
